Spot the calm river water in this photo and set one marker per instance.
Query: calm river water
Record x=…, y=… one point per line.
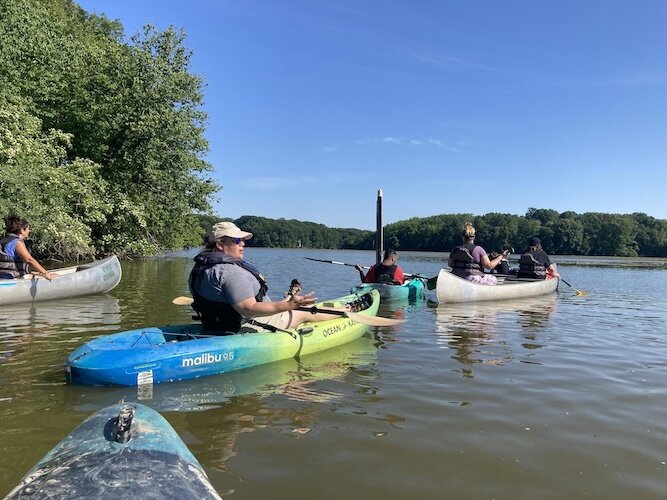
x=559, y=397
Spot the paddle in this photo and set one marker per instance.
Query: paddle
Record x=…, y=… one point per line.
x=365, y=267
x=359, y=318
x=577, y=292
x=275, y=329
x=184, y=301
x=336, y=262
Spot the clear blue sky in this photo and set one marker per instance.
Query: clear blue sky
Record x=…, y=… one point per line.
x=448, y=106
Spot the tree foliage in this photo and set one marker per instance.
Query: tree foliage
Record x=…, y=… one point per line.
x=565, y=234
x=107, y=133
x=292, y=234
x=568, y=233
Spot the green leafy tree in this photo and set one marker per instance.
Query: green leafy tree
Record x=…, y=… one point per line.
x=60, y=198
x=131, y=108
x=566, y=236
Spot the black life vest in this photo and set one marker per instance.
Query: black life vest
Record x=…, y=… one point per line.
x=530, y=267
x=214, y=315
x=384, y=274
x=12, y=266
x=463, y=263
x=503, y=267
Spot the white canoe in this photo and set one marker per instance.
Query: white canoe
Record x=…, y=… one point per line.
x=99, y=276
x=452, y=289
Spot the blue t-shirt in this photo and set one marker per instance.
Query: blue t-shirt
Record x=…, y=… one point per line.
x=10, y=248
x=227, y=283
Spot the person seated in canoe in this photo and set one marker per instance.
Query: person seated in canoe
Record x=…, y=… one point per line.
x=468, y=260
x=504, y=266
x=294, y=288
x=15, y=258
x=535, y=263
x=386, y=271
x=228, y=291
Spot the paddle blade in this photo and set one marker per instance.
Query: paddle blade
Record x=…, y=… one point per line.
x=580, y=293
x=183, y=301
x=373, y=320
x=358, y=317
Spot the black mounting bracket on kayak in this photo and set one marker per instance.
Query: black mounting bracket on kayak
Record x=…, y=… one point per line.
x=123, y=425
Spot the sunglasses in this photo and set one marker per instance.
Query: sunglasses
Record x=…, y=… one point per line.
x=236, y=241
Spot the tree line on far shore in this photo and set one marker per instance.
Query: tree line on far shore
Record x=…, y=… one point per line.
x=566, y=233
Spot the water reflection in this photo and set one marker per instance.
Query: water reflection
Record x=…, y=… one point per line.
x=291, y=377
x=77, y=313
x=481, y=332
x=31, y=335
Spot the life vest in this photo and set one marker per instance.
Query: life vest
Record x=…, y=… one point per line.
x=530, y=267
x=463, y=263
x=11, y=266
x=214, y=315
x=503, y=267
x=384, y=274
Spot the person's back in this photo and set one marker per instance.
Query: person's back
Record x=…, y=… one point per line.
x=9, y=268
x=534, y=262
x=468, y=260
x=12, y=264
x=462, y=260
x=530, y=267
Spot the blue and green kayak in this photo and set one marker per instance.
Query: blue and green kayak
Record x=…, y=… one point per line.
x=178, y=352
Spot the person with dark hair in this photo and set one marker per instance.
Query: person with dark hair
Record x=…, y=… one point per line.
x=535, y=263
x=229, y=291
x=386, y=271
x=468, y=260
x=15, y=258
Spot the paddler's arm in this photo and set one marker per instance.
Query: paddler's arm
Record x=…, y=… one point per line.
x=491, y=264
x=362, y=276
x=250, y=308
x=551, y=270
x=22, y=252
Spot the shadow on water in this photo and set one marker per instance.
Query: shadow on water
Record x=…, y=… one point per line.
x=481, y=332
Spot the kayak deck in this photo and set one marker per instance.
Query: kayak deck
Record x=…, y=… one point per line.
x=126, y=450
